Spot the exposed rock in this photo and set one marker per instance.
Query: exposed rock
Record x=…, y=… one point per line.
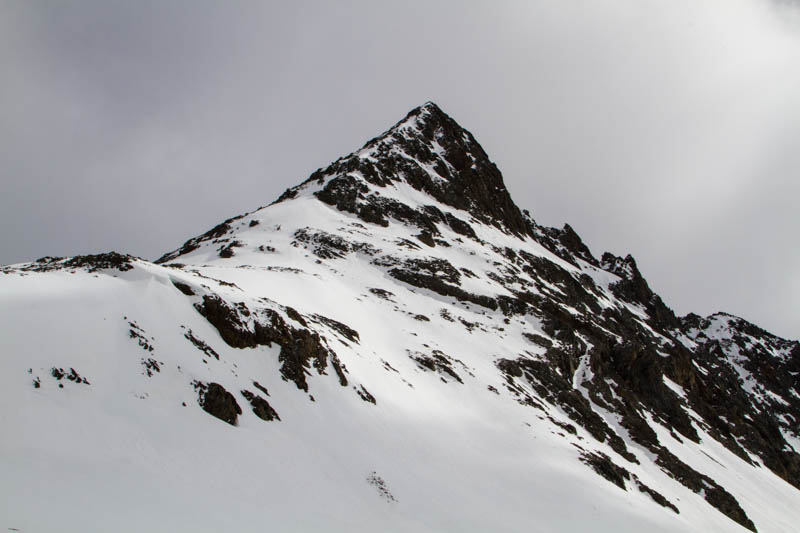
x=364, y=394
x=329, y=246
x=261, y=407
x=656, y=496
x=218, y=402
x=90, y=263
x=201, y=345
x=183, y=287
x=603, y=465
x=72, y=375
x=435, y=284
x=437, y=362
x=426, y=238
x=150, y=366
x=300, y=348
x=226, y=251
x=342, y=329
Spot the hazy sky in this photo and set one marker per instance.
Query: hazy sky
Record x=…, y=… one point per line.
x=669, y=129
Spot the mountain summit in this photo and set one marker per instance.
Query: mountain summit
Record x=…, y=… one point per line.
x=391, y=344
x=430, y=152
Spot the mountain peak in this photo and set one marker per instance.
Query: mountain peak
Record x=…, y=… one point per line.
x=390, y=295
x=428, y=119
x=432, y=153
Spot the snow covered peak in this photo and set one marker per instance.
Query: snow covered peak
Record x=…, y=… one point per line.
x=395, y=336
x=426, y=171
x=433, y=154
x=427, y=116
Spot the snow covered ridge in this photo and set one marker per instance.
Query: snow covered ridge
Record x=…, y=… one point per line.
x=391, y=344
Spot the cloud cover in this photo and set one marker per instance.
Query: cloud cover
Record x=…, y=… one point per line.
x=665, y=129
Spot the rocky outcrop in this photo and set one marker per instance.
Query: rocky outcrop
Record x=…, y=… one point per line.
x=217, y=402
x=301, y=349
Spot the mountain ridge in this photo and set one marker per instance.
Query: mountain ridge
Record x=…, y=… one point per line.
x=403, y=278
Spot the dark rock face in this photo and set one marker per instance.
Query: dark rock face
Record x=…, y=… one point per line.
x=551, y=386
x=656, y=496
x=183, y=287
x=93, y=263
x=753, y=415
x=634, y=288
x=218, y=402
x=228, y=321
x=435, y=284
x=471, y=181
x=629, y=359
x=603, y=465
x=343, y=330
x=300, y=348
x=714, y=494
x=89, y=263
x=465, y=178
x=226, y=251
x=619, y=476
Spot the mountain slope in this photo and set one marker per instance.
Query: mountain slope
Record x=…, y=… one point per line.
x=392, y=344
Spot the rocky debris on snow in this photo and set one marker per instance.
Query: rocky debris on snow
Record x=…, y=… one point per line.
x=382, y=293
x=200, y=344
x=73, y=376
x=329, y=246
x=261, y=407
x=439, y=362
x=151, y=365
x=226, y=250
x=138, y=334
x=380, y=485
x=364, y=394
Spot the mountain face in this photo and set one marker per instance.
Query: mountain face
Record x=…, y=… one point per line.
x=391, y=344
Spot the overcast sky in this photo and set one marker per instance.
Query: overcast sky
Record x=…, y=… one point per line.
x=666, y=129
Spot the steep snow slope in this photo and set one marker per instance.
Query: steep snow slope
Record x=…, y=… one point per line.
x=393, y=344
